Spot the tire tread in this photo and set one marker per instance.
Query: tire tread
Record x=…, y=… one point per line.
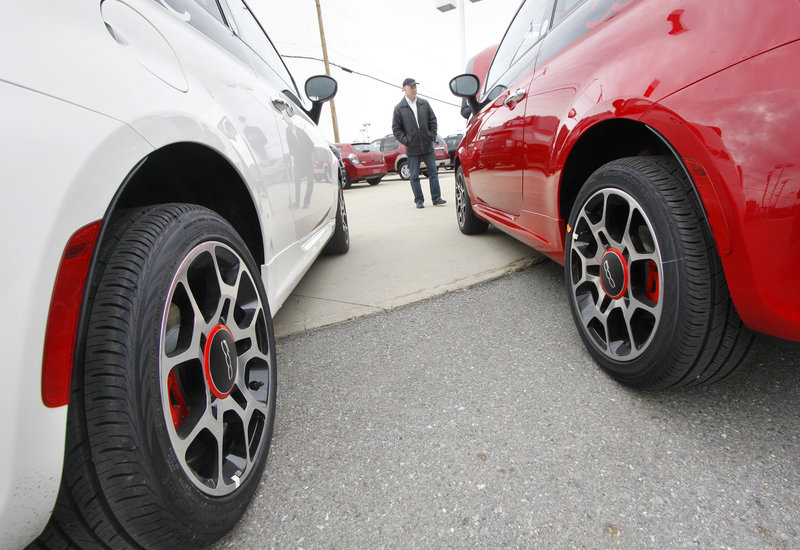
x=711, y=341
x=105, y=501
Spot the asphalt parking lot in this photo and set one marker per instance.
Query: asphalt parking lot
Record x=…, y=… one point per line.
x=476, y=419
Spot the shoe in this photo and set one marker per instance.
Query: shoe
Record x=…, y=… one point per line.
x=439, y=202
x=420, y=205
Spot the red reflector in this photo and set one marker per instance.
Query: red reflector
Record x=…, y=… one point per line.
x=65, y=309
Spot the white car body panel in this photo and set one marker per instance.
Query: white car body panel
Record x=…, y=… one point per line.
x=79, y=114
x=42, y=216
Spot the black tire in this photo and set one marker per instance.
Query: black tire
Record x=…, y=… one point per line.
x=403, y=170
x=645, y=283
x=136, y=475
x=340, y=240
x=374, y=181
x=468, y=222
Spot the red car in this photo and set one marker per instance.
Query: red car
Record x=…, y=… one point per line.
x=362, y=162
x=650, y=146
x=397, y=161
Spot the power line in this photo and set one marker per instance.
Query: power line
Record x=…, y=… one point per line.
x=345, y=69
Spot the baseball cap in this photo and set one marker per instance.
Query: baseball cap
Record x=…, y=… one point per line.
x=409, y=82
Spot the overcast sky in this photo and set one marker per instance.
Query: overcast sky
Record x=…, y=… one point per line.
x=386, y=39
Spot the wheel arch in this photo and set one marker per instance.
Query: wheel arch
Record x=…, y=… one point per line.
x=602, y=143
x=193, y=173
x=456, y=163
x=618, y=138
x=183, y=172
x=400, y=159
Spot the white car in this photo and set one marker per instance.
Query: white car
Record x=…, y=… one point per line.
x=164, y=189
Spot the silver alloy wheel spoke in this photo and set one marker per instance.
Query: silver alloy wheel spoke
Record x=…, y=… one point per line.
x=217, y=439
x=461, y=205
x=343, y=210
x=621, y=328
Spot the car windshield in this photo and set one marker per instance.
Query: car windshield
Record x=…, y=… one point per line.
x=365, y=148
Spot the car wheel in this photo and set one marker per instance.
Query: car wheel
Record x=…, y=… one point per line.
x=468, y=222
x=644, y=281
x=173, y=402
x=404, y=170
x=346, y=183
x=340, y=241
x=374, y=181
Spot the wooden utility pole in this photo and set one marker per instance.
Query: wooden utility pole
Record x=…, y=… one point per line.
x=327, y=71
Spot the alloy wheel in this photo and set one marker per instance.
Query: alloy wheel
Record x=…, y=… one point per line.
x=343, y=213
x=461, y=199
x=616, y=274
x=215, y=368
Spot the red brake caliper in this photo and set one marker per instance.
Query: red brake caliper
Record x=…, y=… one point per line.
x=651, y=290
x=177, y=404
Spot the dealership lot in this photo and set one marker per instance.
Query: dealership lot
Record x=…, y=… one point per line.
x=554, y=357
x=478, y=419
x=398, y=255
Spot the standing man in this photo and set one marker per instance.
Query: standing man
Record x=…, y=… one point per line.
x=414, y=125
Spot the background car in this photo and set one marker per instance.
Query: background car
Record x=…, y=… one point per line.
x=363, y=162
x=397, y=161
x=665, y=181
x=165, y=190
x=440, y=144
x=452, y=142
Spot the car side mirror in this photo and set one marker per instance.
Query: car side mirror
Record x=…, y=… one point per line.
x=319, y=89
x=467, y=86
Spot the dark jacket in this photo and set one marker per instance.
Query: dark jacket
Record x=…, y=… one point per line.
x=417, y=139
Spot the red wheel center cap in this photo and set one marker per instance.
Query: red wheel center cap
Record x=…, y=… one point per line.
x=614, y=273
x=220, y=361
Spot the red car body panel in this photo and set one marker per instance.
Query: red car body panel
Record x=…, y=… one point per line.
x=750, y=157
x=479, y=65
x=440, y=152
x=713, y=82
x=394, y=152
x=370, y=165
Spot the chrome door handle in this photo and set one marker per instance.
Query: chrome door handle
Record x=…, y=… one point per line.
x=283, y=105
x=514, y=98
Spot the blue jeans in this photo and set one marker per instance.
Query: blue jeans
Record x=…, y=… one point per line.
x=433, y=176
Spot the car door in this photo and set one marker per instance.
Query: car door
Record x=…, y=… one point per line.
x=562, y=75
x=390, y=148
x=307, y=167
x=250, y=121
x=496, y=177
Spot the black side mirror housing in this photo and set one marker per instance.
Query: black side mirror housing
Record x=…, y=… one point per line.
x=319, y=89
x=467, y=86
